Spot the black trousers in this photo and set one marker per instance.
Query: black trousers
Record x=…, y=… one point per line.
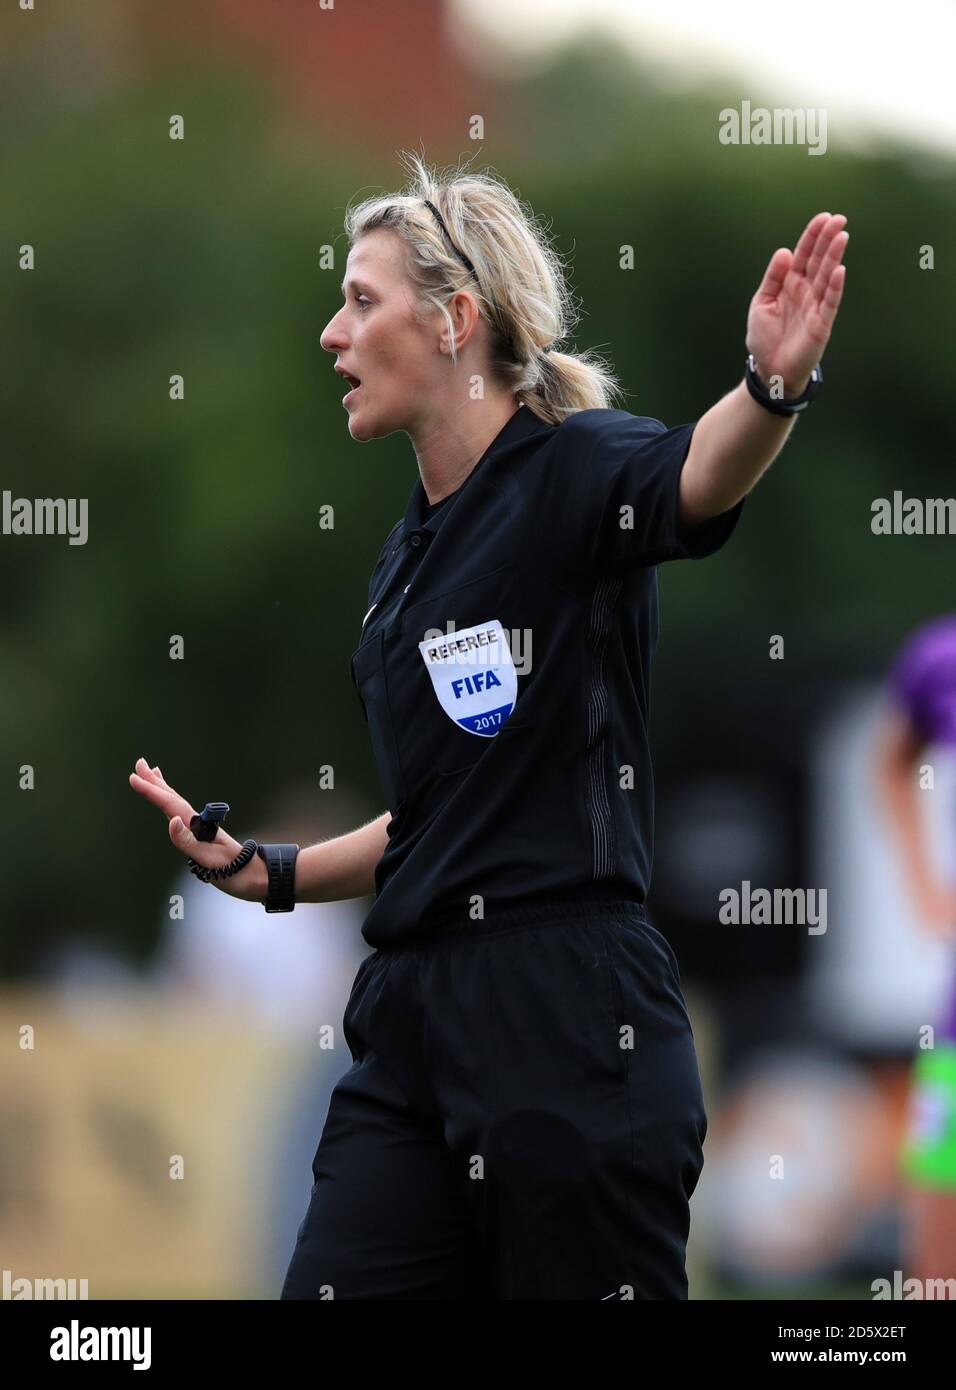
x=523, y=1118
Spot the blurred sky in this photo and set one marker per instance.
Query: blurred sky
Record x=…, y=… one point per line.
x=879, y=67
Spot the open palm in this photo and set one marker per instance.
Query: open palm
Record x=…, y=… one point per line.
x=792, y=313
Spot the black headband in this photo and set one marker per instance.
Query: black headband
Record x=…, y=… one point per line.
x=460, y=254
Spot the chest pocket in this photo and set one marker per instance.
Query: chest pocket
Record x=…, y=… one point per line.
x=431, y=704
x=369, y=675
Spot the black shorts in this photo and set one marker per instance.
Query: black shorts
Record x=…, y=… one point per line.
x=523, y=1118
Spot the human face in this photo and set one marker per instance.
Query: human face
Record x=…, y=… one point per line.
x=380, y=340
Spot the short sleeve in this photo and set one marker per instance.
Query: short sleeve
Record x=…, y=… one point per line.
x=622, y=474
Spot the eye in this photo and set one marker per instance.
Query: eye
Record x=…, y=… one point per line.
x=361, y=299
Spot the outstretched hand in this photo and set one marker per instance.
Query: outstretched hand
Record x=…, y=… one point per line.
x=250, y=883
x=792, y=313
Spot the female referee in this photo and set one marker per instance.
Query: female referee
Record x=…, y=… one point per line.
x=523, y=1118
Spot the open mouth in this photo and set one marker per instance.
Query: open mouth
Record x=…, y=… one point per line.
x=353, y=381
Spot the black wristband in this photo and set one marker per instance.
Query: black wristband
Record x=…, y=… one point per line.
x=762, y=396
x=280, y=862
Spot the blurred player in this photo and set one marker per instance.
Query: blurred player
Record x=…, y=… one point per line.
x=922, y=685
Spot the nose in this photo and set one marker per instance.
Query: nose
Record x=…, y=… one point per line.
x=333, y=337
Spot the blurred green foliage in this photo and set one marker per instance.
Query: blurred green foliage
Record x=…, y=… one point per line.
x=201, y=257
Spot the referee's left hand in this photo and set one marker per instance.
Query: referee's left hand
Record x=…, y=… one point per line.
x=792, y=313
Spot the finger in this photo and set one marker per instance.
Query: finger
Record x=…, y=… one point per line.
x=807, y=241
x=822, y=245
x=182, y=837
x=153, y=776
x=829, y=263
x=144, y=770
x=775, y=274
x=150, y=789
x=168, y=801
x=834, y=293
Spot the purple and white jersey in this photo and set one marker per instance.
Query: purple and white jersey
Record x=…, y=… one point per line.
x=923, y=682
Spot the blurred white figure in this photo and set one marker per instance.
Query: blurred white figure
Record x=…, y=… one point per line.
x=795, y=1168
x=290, y=971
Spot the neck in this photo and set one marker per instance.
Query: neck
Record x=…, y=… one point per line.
x=450, y=445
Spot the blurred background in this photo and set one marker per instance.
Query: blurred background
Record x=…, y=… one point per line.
x=148, y=1021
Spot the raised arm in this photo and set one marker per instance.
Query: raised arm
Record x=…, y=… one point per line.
x=788, y=328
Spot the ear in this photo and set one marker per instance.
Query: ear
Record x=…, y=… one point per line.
x=465, y=315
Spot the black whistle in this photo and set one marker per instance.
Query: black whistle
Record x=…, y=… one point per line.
x=209, y=819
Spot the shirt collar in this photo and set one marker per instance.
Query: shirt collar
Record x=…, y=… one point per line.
x=518, y=426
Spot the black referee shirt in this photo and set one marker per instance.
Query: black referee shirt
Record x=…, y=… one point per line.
x=504, y=670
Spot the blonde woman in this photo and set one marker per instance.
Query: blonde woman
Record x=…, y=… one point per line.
x=523, y=1117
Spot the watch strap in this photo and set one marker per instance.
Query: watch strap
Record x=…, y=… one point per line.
x=280, y=863
x=762, y=396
